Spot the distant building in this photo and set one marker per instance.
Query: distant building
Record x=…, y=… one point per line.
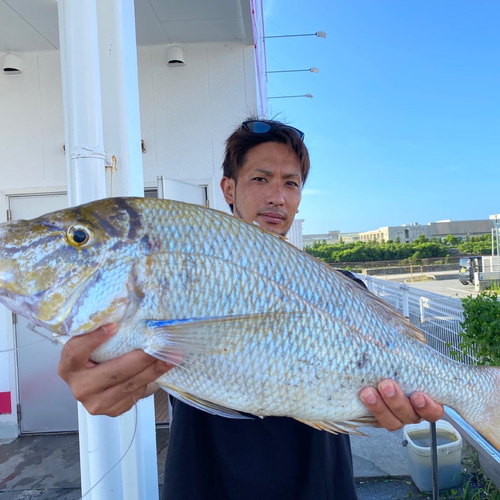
x=404, y=233
x=407, y=233
x=460, y=228
x=439, y=230
x=330, y=238
x=349, y=237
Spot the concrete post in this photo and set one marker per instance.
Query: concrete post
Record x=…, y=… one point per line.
x=404, y=297
x=105, y=442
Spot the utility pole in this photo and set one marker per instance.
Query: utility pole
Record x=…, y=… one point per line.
x=496, y=223
x=496, y=231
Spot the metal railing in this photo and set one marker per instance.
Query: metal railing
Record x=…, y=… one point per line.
x=438, y=316
x=372, y=264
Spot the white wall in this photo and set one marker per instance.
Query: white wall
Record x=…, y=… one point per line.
x=186, y=115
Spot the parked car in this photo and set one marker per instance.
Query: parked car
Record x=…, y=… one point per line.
x=467, y=267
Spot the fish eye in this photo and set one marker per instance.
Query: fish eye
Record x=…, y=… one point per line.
x=79, y=235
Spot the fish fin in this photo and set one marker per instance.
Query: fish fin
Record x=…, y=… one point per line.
x=395, y=317
x=391, y=315
x=204, y=405
x=343, y=426
x=485, y=416
x=196, y=335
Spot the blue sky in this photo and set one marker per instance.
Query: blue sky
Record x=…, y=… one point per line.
x=405, y=118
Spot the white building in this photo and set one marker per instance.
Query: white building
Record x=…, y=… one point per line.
x=439, y=230
x=330, y=238
x=190, y=101
x=186, y=113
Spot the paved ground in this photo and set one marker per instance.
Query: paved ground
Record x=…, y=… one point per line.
x=47, y=467
x=446, y=283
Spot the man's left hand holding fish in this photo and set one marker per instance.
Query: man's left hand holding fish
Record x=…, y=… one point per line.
x=113, y=387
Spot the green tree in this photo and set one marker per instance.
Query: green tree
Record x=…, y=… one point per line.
x=373, y=251
x=476, y=245
x=451, y=240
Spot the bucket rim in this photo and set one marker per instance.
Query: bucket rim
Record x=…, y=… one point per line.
x=426, y=450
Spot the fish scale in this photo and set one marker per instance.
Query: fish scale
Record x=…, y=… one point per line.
x=262, y=327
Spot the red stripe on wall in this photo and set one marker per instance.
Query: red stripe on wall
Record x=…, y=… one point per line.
x=5, y=403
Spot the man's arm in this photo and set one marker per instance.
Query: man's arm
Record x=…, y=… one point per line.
x=113, y=387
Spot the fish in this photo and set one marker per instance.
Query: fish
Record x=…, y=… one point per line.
x=262, y=327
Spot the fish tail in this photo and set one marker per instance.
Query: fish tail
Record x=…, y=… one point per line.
x=487, y=420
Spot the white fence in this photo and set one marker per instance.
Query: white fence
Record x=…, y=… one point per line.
x=491, y=264
x=438, y=316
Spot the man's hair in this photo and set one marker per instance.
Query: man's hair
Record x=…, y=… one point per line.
x=242, y=140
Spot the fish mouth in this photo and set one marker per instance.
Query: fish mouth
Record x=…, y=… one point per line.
x=19, y=305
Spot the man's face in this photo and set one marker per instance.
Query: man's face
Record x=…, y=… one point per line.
x=268, y=188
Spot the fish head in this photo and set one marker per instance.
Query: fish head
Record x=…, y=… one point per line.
x=69, y=271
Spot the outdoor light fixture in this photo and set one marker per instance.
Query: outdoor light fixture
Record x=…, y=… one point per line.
x=175, y=57
x=12, y=65
x=312, y=70
x=309, y=96
x=319, y=34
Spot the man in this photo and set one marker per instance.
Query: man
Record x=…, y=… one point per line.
x=265, y=167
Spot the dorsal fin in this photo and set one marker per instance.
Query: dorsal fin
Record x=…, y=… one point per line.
x=391, y=314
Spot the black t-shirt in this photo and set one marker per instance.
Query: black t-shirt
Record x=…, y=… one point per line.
x=274, y=458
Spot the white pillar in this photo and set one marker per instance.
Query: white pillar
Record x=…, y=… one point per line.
x=103, y=440
x=404, y=298
x=82, y=101
x=120, y=96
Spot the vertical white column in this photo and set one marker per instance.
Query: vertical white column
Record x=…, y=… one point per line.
x=82, y=101
x=404, y=298
x=122, y=137
x=120, y=95
x=88, y=89
x=99, y=436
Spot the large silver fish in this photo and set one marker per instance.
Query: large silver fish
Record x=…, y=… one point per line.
x=263, y=328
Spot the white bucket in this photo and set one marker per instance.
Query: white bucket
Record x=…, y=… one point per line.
x=417, y=438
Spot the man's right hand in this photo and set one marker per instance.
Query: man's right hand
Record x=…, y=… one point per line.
x=113, y=387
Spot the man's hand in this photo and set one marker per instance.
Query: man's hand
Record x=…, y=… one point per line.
x=113, y=387
x=393, y=409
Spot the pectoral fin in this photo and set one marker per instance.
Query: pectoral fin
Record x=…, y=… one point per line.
x=206, y=335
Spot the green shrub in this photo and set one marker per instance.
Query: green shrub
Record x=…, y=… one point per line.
x=374, y=251
x=481, y=327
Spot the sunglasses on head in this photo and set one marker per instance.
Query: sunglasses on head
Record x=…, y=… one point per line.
x=263, y=127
